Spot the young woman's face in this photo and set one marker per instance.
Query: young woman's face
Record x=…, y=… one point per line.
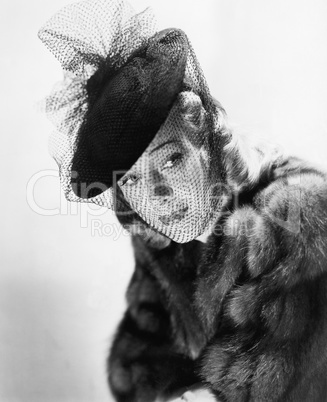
x=169, y=184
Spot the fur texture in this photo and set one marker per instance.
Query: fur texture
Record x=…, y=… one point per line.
x=261, y=293
x=246, y=313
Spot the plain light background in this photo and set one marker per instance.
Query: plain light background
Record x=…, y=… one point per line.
x=64, y=269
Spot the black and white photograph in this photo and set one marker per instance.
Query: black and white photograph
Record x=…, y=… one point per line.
x=164, y=207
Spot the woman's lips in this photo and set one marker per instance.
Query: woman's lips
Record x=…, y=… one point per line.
x=175, y=216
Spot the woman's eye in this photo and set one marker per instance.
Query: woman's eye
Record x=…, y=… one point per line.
x=173, y=160
x=129, y=180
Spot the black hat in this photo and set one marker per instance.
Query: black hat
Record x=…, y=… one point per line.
x=126, y=107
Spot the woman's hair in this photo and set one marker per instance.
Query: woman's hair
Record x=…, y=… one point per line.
x=190, y=116
x=245, y=160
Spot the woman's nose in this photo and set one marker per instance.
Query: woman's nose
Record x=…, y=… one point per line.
x=162, y=192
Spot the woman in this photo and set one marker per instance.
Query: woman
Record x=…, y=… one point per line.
x=245, y=314
x=240, y=318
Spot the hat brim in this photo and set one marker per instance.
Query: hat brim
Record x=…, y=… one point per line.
x=125, y=111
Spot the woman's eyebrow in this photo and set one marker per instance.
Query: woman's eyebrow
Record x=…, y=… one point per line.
x=162, y=145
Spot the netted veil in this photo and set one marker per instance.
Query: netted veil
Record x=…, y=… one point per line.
x=124, y=82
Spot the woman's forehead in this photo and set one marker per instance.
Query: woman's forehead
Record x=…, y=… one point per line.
x=163, y=137
x=168, y=138
x=170, y=131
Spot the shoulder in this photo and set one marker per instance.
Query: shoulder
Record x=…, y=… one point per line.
x=270, y=242
x=283, y=218
x=295, y=192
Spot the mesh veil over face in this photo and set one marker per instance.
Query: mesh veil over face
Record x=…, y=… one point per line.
x=133, y=111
